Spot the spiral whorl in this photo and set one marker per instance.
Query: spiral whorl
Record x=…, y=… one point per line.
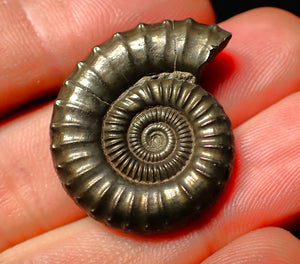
x=155, y=146
x=135, y=141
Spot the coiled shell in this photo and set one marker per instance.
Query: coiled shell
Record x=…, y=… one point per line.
x=138, y=152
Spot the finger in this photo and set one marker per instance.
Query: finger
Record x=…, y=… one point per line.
x=259, y=66
x=42, y=40
x=85, y=241
x=65, y=245
x=267, y=245
x=263, y=190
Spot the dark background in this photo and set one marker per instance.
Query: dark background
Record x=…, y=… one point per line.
x=228, y=8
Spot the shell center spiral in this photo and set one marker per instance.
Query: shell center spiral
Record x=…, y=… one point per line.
x=154, y=139
x=150, y=137
x=155, y=145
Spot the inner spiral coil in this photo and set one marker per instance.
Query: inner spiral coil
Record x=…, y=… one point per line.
x=156, y=146
x=154, y=139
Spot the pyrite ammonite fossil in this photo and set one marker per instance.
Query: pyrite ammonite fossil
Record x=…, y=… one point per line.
x=136, y=142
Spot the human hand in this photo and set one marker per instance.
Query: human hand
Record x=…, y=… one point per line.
x=256, y=79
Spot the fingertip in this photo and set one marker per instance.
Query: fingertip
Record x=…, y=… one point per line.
x=266, y=245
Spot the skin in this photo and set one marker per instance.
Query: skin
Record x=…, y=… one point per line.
x=256, y=78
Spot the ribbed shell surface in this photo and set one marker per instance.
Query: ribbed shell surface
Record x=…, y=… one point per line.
x=144, y=154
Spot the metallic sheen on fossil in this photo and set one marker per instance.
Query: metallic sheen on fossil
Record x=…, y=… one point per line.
x=135, y=141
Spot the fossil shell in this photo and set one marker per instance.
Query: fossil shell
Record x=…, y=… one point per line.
x=135, y=141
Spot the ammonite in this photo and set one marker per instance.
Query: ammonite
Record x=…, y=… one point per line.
x=135, y=141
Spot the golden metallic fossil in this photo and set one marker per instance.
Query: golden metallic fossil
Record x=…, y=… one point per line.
x=135, y=141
